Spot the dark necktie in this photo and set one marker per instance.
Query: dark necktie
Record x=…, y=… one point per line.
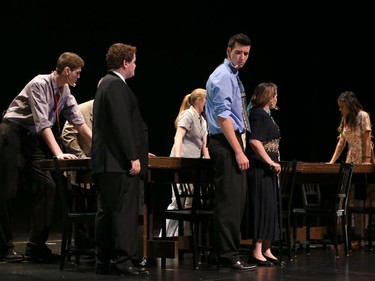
x=56, y=127
x=244, y=105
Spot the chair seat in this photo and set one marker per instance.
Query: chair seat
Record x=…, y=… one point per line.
x=320, y=210
x=82, y=217
x=188, y=214
x=362, y=210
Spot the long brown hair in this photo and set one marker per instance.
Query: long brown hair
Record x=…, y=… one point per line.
x=354, y=106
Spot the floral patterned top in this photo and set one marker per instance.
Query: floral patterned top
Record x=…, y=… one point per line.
x=354, y=137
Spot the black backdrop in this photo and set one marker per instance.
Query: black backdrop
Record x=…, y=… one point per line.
x=312, y=51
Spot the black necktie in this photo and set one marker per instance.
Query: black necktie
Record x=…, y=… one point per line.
x=244, y=105
x=56, y=127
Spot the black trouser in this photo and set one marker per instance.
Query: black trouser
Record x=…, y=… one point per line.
x=19, y=164
x=230, y=198
x=116, y=225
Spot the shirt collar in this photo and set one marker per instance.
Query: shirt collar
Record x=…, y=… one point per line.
x=230, y=65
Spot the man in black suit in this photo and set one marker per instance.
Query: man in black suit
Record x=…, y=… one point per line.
x=119, y=158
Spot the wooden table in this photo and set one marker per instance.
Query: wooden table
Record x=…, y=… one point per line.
x=175, y=169
x=160, y=170
x=323, y=173
x=66, y=164
x=326, y=176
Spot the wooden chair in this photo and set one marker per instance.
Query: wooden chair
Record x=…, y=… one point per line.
x=335, y=210
x=200, y=214
x=286, y=191
x=72, y=215
x=311, y=198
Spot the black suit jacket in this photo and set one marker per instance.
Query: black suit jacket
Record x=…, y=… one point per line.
x=119, y=131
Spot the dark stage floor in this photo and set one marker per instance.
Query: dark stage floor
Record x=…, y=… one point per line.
x=320, y=265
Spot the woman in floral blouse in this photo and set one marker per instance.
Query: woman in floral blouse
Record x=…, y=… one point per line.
x=355, y=130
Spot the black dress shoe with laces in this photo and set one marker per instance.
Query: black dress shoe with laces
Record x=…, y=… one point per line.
x=39, y=253
x=11, y=255
x=130, y=270
x=144, y=262
x=240, y=266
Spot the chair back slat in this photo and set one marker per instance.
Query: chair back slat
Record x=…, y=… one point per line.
x=343, y=186
x=311, y=195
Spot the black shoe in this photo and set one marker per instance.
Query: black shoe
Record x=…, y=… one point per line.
x=212, y=260
x=102, y=269
x=130, y=270
x=241, y=266
x=11, y=255
x=39, y=253
x=274, y=261
x=262, y=263
x=144, y=262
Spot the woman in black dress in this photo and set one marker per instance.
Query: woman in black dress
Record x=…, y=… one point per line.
x=261, y=214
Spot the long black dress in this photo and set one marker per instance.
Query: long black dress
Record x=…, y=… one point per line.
x=260, y=219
